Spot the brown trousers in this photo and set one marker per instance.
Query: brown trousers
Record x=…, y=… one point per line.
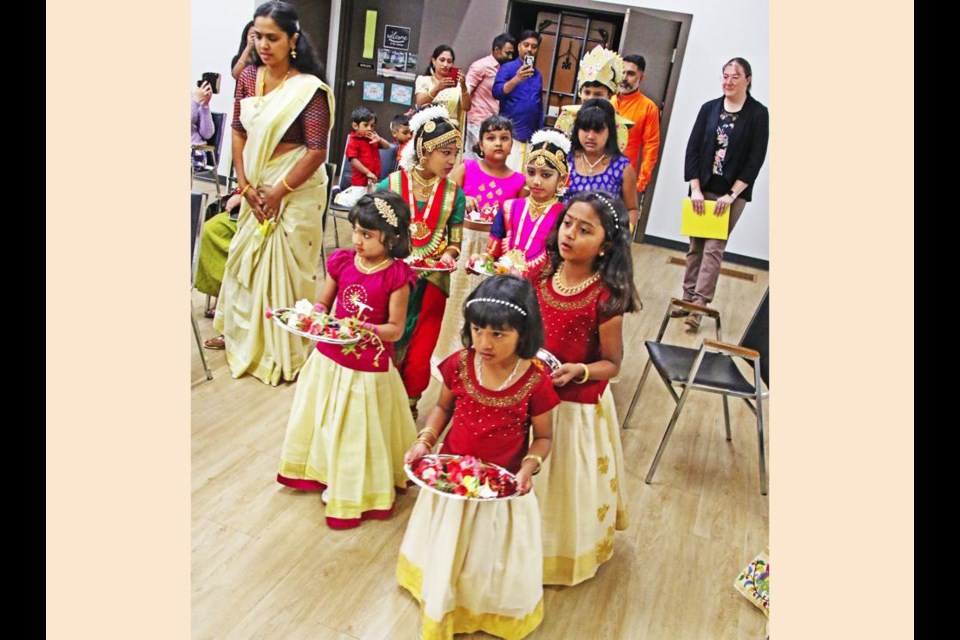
x=704, y=258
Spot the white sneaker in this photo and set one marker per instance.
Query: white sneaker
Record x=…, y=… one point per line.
x=325, y=496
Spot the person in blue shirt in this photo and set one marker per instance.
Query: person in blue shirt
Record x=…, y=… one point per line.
x=519, y=88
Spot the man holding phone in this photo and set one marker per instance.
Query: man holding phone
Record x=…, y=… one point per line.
x=519, y=86
x=480, y=77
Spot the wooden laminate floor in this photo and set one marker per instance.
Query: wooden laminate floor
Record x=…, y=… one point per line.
x=264, y=564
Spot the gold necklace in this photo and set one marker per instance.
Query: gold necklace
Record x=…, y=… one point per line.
x=262, y=83
x=423, y=182
x=479, y=369
x=358, y=262
x=592, y=165
x=565, y=290
x=537, y=209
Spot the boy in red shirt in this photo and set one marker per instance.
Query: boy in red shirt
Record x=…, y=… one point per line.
x=363, y=148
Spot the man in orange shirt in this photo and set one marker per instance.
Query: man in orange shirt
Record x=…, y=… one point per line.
x=634, y=106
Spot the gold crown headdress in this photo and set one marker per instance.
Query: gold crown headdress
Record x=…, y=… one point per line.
x=424, y=123
x=541, y=154
x=603, y=66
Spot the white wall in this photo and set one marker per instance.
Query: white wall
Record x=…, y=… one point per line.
x=719, y=31
x=215, y=27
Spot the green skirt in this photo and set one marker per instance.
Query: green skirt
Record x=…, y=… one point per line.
x=218, y=231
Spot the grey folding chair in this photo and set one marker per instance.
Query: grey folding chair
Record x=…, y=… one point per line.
x=712, y=368
x=197, y=202
x=211, y=150
x=331, y=191
x=333, y=209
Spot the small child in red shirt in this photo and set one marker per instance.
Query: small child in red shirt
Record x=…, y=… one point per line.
x=363, y=148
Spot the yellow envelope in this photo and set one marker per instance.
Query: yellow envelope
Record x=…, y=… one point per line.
x=707, y=225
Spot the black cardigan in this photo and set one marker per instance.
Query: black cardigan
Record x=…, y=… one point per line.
x=746, y=150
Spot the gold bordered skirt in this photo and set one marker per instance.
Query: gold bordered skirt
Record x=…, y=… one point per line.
x=580, y=491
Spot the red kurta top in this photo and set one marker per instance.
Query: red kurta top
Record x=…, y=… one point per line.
x=365, y=296
x=571, y=327
x=494, y=425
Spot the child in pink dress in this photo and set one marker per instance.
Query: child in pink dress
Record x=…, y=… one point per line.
x=350, y=423
x=520, y=231
x=476, y=565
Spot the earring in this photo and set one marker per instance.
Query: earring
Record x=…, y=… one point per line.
x=601, y=254
x=293, y=53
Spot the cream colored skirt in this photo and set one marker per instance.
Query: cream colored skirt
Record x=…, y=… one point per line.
x=580, y=491
x=274, y=266
x=348, y=431
x=474, y=566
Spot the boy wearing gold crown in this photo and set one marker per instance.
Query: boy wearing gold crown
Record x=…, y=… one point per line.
x=600, y=74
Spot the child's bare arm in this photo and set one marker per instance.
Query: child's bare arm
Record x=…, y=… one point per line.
x=436, y=421
x=539, y=448
x=608, y=366
x=327, y=294
x=392, y=329
x=359, y=168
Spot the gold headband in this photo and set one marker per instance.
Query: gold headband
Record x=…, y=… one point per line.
x=386, y=212
x=429, y=146
x=556, y=160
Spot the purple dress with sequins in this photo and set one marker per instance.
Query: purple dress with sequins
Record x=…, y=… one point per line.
x=611, y=180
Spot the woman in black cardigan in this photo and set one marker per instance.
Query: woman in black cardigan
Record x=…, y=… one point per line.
x=724, y=154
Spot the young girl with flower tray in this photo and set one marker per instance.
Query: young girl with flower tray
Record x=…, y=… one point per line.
x=519, y=234
x=587, y=289
x=349, y=425
x=476, y=564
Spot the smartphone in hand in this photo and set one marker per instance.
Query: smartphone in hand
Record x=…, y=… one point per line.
x=213, y=79
x=528, y=60
x=454, y=73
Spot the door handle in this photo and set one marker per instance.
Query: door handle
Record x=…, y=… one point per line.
x=351, y=83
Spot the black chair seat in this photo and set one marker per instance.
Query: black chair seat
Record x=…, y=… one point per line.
x=717, y=370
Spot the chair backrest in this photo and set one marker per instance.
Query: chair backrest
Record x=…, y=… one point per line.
x=346, y=173
x=388, y=160
x=216, y=140
x=757, y=336
x=196, y=225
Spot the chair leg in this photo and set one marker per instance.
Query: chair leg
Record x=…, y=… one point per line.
x=667, y=433
x=196, y=335
x=636, y=395
x=763, y=458
x=726, y=418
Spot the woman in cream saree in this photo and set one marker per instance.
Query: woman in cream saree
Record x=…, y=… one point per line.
x=278, y=154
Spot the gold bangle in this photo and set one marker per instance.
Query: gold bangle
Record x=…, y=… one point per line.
x=430, y=431
x=457, y=249
x=534, y=457
x=424, y=442
x=586, y=374
x=244, y=190
x=286, y=186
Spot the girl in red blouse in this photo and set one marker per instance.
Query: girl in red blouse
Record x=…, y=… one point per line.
x=349, y=424
x=476, y=565
x=588, y=286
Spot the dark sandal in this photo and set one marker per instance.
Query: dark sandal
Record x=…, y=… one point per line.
x=209, y=313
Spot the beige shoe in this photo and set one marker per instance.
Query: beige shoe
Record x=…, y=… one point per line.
x=679, y=312
x=693, y=322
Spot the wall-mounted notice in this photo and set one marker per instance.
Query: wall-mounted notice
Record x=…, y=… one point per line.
x=395, y=37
